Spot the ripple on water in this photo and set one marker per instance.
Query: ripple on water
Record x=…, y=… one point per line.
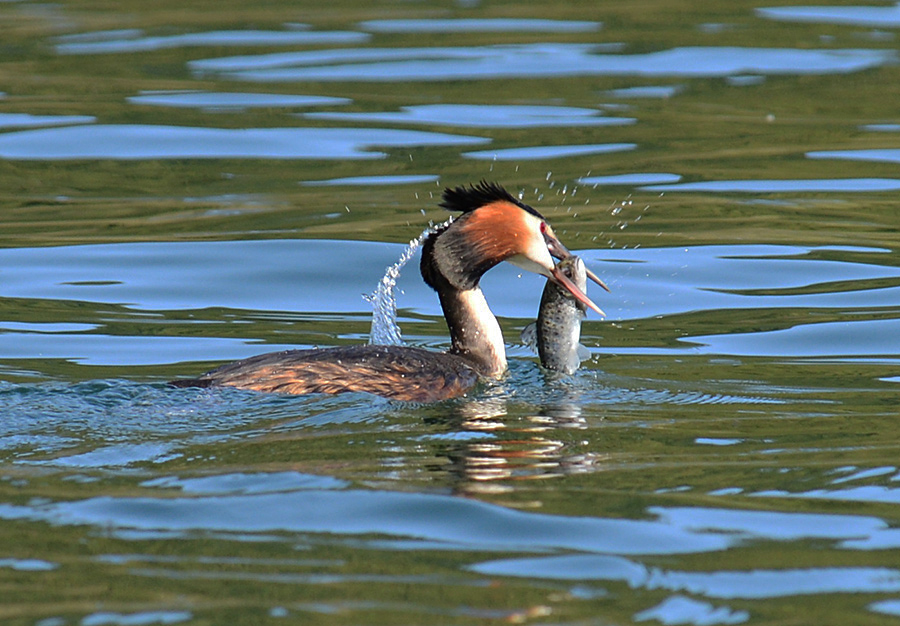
x=878, y=17
x=705, y=278
x=885, y=155
x=231, y=101
x=787, y=186
x=881, y=128
x=823, y=339
x=104, y=618
x=888, y=607
x=474, y=25
x=682, y=610
x=127, y=41
x=28, y=565
x=534, y=61
x=133, y=422
x=367, y=181
x=533, y=153
x=461, y=521
x=752, y=584
x=24, y=120
x=247, y=483
x=646, y=282
x=142, y=141
x=648, y=178
x=116, y=456
x=609, y=547
x=647, y=91
x=482, y=116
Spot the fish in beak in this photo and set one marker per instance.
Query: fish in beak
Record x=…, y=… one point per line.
x=559, y=277
x=559, y=251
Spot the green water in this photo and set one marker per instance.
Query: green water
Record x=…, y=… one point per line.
x=728, y=455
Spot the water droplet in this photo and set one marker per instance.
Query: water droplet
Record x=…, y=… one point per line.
x=385, y=330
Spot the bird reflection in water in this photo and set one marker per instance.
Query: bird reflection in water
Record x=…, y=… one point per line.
x=514, y=449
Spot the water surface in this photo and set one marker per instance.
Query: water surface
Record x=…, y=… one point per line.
x=187, y=186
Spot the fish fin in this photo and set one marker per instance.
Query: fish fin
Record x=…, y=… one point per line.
x=583, y=353
x=529, y=337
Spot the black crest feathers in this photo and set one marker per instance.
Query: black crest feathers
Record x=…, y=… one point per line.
x=469, y=198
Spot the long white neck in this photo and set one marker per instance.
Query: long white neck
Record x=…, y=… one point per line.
x=474, y=331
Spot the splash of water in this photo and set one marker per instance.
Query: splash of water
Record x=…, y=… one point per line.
x=385, y=331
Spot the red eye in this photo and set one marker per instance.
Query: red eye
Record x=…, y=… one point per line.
x=544, y=228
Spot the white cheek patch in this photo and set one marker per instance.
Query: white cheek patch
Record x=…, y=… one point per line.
x=535, y=256
x=526, y=263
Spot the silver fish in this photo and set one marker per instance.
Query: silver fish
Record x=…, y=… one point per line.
x=556, y=334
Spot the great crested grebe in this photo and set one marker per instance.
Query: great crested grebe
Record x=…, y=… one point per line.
x=494, y=227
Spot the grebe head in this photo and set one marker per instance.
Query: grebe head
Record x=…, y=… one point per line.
x=494, y=227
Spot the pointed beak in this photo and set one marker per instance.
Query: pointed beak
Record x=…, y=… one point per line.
x=595, y=278
x=557, y=276
x=559, y=251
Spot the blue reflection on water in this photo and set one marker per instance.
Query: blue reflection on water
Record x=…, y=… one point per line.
x=888, y=607
x=411, y=179
x=482, y=116
x=648, y=178
x=187, y=275
x=28, y=565
x=881, y=128
x=646, y=282
x=681, y=610
x=131, y=41
x=535, y=61
x=885, y=155
x=115, y=456
x=867, y=493
x=21, y=120
x=373, y=57
x=427, y=516
x=143, y=618
x=98, y=348
x=853, y=185
x=876, y=16
x=235, y=484
x=136, y=141
x=601, y=545
x=662, y=91
x=750, y=584
x=534, y=153
x=823, y=339
x=475, y=25
x=231, y=101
